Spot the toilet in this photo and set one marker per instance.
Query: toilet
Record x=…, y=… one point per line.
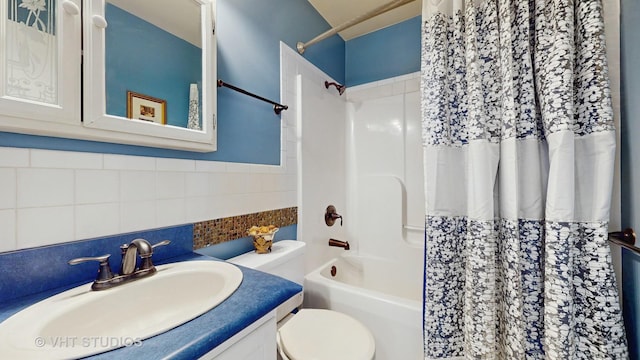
x=317, y=334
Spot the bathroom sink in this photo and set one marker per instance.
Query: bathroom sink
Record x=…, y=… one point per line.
x=80, y=322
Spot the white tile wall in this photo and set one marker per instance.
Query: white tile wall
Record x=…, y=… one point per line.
x=316, y=137
x=49, y=197
x=45, y=187
x=8, y=230
x=38, y=226
x=7, y=188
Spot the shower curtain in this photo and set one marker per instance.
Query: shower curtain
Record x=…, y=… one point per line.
x=519, y=147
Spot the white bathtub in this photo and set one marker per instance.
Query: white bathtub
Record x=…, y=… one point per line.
x=385, y=296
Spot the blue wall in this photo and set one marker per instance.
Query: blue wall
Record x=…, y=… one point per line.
x=630, y=164
x=248, y=34
x=386, y=53
x=143, y=58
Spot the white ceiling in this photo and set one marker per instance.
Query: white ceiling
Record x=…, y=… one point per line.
x=180, y=18
x=182, y=21
x=337, y=12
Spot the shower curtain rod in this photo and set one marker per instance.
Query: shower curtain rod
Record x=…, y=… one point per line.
x=625, y=238
x=277, y=108
x=366, y=16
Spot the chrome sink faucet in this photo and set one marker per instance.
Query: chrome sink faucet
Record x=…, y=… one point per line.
x=128, y=271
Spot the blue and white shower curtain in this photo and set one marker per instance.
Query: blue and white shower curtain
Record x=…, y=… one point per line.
x=519, y=149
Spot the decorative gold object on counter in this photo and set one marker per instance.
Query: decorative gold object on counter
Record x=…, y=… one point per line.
x=262, y=237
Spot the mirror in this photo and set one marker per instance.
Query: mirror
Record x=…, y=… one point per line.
x=153, y=59
x=150, y=71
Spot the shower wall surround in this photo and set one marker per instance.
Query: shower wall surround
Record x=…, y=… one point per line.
x=318, y=117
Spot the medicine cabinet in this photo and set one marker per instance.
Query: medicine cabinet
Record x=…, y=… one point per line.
x=134, y=72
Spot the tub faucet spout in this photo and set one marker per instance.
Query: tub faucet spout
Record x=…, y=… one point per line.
x=339, y=243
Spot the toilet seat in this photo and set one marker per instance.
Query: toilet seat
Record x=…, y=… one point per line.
x=320, y=334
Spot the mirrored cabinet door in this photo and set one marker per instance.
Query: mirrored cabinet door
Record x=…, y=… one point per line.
x=149, y=71
x=40, y=56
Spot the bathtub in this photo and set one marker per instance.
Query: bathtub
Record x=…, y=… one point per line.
x=385, y=296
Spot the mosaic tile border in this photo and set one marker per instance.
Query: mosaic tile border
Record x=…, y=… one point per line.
x=216, y=231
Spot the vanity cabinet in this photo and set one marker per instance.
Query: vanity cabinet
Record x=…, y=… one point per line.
x=65, y=73
x=255, y=342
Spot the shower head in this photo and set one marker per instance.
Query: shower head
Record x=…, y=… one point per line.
x=340, y=88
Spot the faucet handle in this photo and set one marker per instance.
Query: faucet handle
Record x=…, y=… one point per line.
x=104, y=272
x=161, y=243
x=147, y=263
x=331, y=215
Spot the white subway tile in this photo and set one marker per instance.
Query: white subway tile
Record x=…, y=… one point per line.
x=292, y=165
x=281, y=199
x=202, y=208
x=289, y=82
x=219, y=183
x=197, y=184
x=290, y=183
x=45, y=187
x=277, y=169
x=242, y=168
x=290, y=199
x=65, y=159
x=139, y=215
x=292, y=149
x=8, y=230
x=14, y=157
x=398, y=88
x=170, y=185
x=211, y=166
x=7, y=188
x=166, y=164
x=171, y=212
x=412, y=85
x=127, y=162
x=249, y=168
x=259, y=202
x=291, y=120
x=236, y=183
x=137, y=185
x=239, y=204
x=213, y=186
x=97, y=186
x=95, y=220
x=270, y=182
x=44, y=226
x=254, y=182
x=291, y=134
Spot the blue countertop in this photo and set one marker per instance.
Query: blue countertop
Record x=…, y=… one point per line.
x=258, y=294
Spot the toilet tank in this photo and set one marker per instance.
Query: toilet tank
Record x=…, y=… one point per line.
x=286, y=260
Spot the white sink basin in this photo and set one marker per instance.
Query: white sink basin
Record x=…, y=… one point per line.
x=80, y=322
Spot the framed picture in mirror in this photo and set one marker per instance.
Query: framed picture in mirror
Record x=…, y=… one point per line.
x=146, y=108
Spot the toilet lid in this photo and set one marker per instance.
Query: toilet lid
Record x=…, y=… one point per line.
x=326, y=335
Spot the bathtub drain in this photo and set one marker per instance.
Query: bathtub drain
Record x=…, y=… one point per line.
x=333, y=271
